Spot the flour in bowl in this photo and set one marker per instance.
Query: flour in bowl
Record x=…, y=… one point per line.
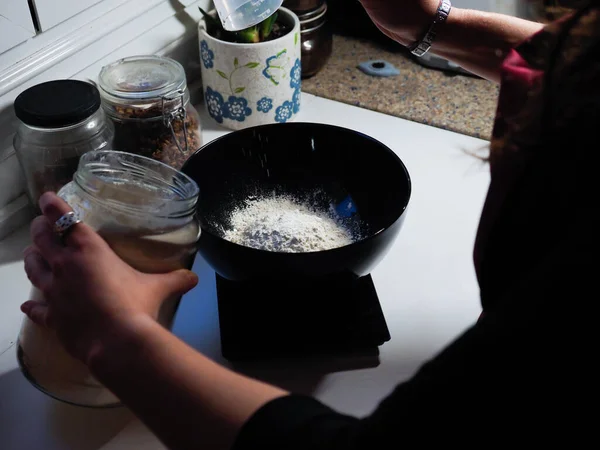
x=283, y=224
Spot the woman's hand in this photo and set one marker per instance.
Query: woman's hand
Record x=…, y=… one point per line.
x=91, y=294
x=404, y=21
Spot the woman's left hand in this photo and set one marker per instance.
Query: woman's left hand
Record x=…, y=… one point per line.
x=91, y=294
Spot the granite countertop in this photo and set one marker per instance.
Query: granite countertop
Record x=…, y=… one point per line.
x=455, y=102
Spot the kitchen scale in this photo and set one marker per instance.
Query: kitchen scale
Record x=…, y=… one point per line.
x=273, y=320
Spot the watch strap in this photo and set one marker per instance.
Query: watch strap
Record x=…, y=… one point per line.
x=421, y=47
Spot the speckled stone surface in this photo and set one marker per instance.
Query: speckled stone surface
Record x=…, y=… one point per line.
x=454, y=102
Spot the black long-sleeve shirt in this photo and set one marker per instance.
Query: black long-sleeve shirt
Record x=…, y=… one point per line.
x=519, y=372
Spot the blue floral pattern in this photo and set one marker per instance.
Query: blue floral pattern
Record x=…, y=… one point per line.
x=236, y=108
x=265, y=104
x=296, y=100
x=207, y=55
x=284, y=112
x=215, y=104
x=296, y=75
x=275, y=67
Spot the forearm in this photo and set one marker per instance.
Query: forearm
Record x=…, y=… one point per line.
x=186, y=399
x=479, y=41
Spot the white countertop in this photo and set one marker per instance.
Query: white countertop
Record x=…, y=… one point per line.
x=426, y=285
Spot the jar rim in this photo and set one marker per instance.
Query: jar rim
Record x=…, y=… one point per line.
x=312, y=15
x=175, y=194
x=141, y=77
x=38, y=129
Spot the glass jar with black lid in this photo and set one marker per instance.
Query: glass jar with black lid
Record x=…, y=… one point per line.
x=59, y=121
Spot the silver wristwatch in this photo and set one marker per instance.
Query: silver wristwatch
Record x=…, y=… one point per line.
x=421, y=47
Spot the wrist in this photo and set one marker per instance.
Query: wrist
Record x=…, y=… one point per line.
x=420, y=21
x=119, y=344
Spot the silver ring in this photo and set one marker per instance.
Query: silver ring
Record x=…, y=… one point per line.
x=66, y=221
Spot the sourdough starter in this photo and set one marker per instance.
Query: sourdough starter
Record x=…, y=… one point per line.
x=142, y=242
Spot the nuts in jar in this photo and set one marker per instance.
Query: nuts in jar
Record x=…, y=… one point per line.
x=140, y=131
x=148, y=101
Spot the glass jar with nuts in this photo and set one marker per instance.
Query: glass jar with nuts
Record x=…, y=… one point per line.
x=148, y=101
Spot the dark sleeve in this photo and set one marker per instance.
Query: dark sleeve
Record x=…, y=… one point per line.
x=519, y=373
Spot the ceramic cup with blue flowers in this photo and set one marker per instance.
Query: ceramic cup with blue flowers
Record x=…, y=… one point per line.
x=252, y=84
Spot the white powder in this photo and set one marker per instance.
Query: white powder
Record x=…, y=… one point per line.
x=282, y=224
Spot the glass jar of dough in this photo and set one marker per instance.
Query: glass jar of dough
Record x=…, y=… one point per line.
x=145, y=210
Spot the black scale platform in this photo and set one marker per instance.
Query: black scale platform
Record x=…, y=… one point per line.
x=287, y=319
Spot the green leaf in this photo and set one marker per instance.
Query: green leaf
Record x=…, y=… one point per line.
x=236, y=63
x=295, y=38
x=223, y=74
x=266, y=26
x=238, y=90
x=213, y=26
x=252, y=65
x=249, y=35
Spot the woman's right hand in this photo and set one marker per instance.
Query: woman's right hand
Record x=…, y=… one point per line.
x=405, y=21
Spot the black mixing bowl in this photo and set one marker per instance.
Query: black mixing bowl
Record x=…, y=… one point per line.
x=365, y=179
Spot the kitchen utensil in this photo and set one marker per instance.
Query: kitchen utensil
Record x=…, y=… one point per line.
x=334, y=316
x=236, y=15
x=352, y=169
